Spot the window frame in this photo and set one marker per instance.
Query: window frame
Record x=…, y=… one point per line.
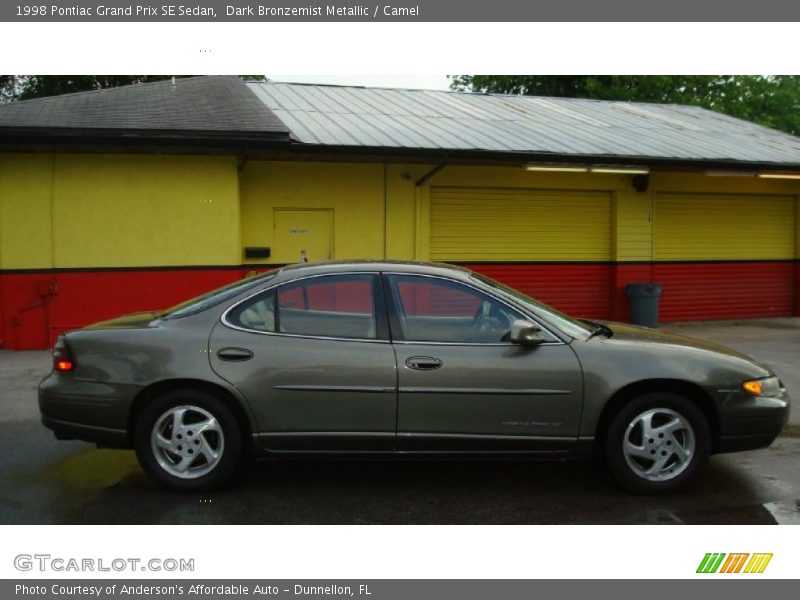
x=382, y=333
x=395, y=309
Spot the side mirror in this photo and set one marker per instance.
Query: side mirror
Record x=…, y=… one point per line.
x=526, y=333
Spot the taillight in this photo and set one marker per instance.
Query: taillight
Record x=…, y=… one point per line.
x=64, y=365
x=62, y=356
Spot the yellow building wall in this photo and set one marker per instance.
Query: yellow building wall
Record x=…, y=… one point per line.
x=632, y=228
x=354, y=192
x=146, y=210
x=379, y=211
x=94, y=210
x=632, y=239
x=692, y=226
x=743, y=194
x=625, y=203
x=366, y=197
x=358, y=194
x=401, y=210
x=471, y=224
x=26, y=183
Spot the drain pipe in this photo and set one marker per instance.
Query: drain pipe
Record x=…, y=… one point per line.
x=422, y=180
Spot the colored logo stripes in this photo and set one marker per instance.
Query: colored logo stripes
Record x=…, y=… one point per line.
x=719, y=562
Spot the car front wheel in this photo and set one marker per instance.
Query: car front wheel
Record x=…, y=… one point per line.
x=656, y=442
x=188, y=440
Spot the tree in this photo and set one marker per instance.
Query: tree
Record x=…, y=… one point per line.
x=25, y=87
x=770, y=100
x=6, y=88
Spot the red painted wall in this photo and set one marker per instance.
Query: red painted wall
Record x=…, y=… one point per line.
x=735, y=290
x=36, y=307
x=582, y=290
x=693, y=291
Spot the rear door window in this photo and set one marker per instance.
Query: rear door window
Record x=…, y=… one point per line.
x=341, y=306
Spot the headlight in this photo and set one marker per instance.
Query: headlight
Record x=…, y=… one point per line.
x=770, y=386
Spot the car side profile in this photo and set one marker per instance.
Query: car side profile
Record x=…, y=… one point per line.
x=381, y=358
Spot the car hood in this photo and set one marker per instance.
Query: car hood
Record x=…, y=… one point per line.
x=133, y=320
x=633, y=333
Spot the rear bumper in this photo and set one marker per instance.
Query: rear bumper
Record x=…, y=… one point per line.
x=89, y=411
x=64, y=430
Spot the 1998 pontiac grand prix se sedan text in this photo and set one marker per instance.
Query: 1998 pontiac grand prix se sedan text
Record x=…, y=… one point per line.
x=400, y=359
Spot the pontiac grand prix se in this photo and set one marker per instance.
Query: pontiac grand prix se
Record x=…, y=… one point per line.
x=400, y=359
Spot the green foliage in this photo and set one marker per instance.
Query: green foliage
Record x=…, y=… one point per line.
x=25, y=87
x=770, y=100
x=6, y=88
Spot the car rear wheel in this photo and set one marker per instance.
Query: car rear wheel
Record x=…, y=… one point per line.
x=188, y=440
x=656, y=442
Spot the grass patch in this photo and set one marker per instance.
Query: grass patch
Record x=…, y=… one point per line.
x=791, y=431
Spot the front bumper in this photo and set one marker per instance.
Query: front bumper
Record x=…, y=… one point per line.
x=89, y=411
x=750, y=422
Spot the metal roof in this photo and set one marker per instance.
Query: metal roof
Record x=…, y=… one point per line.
x=340, y=116
x=219, y=105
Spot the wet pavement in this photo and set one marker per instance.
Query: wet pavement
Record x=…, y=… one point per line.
x=44, y=481
x=75, y=483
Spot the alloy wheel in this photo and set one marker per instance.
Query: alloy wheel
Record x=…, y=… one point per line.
x=659, y=444
x=187, y=441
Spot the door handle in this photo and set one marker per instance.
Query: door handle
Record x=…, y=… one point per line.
x=234, y=354
x=423, y=363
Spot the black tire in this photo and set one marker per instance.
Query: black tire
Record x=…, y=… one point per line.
x=229, y=443
x=673, y=476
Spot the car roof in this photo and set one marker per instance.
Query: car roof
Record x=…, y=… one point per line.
x=387, y=266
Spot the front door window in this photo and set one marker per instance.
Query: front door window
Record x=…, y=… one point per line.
x=440, y=310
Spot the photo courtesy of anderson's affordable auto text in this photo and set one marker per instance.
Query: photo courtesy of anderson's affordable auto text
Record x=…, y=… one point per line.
x=317, y=334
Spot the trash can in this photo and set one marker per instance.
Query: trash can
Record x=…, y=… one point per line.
x=644, y=303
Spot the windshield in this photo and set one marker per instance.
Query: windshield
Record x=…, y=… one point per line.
x=214, y=297
x=564, y=322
